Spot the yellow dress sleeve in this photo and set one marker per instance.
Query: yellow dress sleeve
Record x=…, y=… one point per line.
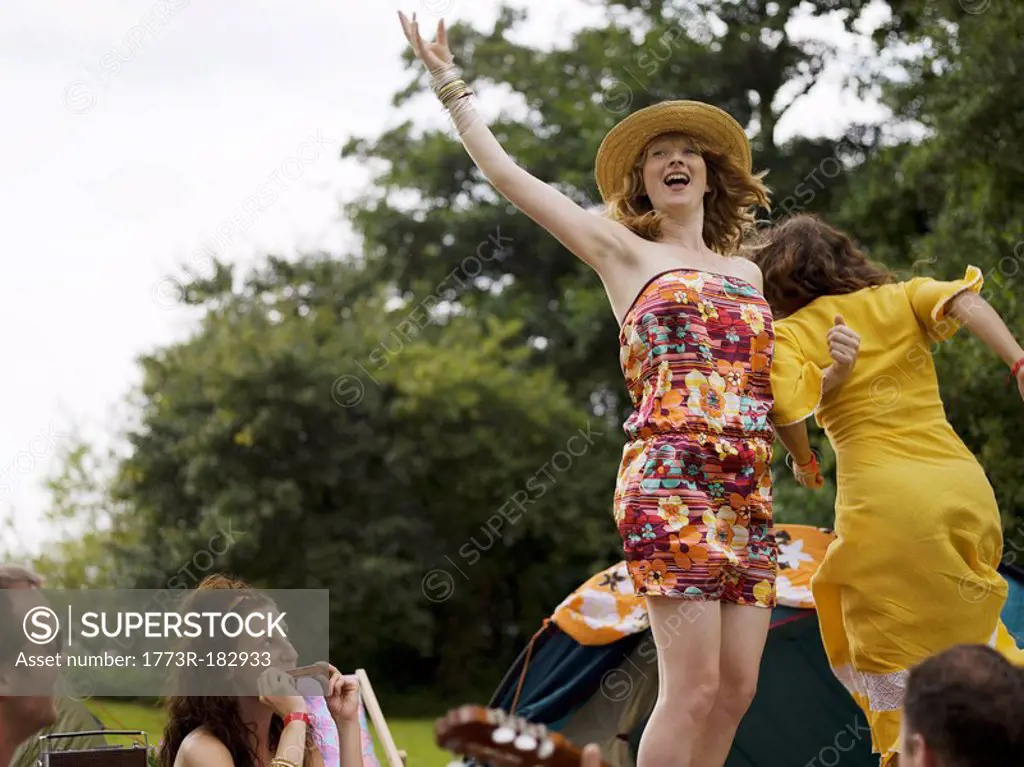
x=931, y=298
x=796, y=381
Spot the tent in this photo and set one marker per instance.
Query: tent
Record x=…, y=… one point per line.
x=590, y=671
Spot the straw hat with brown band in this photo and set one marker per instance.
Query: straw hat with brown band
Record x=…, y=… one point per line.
x=710, y=125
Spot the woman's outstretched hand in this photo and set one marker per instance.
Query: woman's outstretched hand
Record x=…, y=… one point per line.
x=1020, y=382
x=436, y=55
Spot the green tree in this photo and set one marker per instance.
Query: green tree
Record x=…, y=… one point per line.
x=740, y=56
x=388, y=454
x=436, y=425
x=648, y=52
x=934, y=206
x=88, y=530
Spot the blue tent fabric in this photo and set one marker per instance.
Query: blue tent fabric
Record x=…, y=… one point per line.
x=1013, y=611
x=561, y=675
x=800, y=713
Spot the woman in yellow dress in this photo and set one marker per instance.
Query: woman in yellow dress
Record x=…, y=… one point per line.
x=913, y=568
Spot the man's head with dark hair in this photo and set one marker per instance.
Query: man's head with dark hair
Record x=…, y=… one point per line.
x=21, y=715
x=964, y=708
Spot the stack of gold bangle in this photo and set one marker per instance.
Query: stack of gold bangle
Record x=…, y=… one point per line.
x=449, y=87
x=280, y=761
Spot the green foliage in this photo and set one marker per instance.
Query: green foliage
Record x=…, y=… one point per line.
x=957, y=198
x=572, y=95
x=432, y=430
x=247, y=421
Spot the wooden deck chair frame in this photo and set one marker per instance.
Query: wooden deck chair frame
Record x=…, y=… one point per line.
x=395, y=758
x=93, y=756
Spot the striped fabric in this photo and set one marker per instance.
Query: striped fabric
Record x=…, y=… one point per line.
x=693, y=501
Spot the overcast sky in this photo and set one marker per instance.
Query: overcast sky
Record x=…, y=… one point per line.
x=134, y=134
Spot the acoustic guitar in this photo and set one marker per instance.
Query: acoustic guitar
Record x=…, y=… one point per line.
x=493, y=737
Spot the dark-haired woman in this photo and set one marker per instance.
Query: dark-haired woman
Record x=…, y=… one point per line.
x=913, y=568
x=206, y=728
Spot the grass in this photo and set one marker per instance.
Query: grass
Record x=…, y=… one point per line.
x=414, y=736
x=119, y=715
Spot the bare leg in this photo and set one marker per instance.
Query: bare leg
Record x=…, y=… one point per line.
x=744, y=633
x=688, y=636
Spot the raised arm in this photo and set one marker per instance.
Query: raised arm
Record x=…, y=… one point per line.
x=596, y=240
x=977, y=315
x=343, y=703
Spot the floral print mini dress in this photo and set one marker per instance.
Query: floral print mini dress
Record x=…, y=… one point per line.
x=693, y=498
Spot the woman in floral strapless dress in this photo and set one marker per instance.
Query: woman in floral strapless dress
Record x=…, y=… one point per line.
x=694, y=493
x=693, y=500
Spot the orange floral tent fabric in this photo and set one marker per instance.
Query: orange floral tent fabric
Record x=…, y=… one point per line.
x=605, y=608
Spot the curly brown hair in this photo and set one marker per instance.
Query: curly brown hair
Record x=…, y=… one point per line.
x=219, y=714
x=802, y=258
x=733, y=194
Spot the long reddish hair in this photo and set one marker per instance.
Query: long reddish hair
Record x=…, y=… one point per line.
x=802, y=258
x=219, y=714
x=733, y=195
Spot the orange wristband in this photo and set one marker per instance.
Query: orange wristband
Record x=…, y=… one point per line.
x=791, y=462
x=1015, y=369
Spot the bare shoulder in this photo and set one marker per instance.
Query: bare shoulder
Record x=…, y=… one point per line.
x=201, y=747
x=750, y=272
